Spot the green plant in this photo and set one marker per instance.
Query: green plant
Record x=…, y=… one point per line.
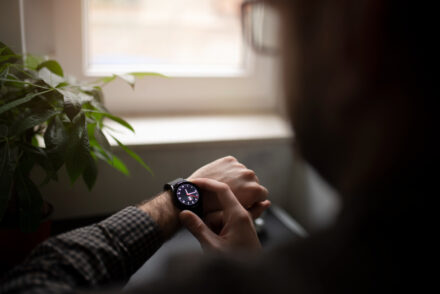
x=50, y=121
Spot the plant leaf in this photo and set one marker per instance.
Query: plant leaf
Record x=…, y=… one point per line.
x=41, y=157
x=5, y=49
x=6, y=57
x=55, y=134
x=34, y=120
x=144, y=74
x=34, y=141
x=32, y=61
x=56, y=139
x=96, y=92
x=90, y=173
x=101, y=139
x=111, y=159
x=4, y=71
x=20, y=101
x=78, y=149
x=53, y=66
x=130, y=79
x=119, y=165
x=112, y=117
x=72, y=103
x=7, y=54
x=134, y=156
x=84, y=98
x=49, y=77
x=102, y=154
x=104, y=80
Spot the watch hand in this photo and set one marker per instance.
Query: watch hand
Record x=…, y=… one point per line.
x=192, y=192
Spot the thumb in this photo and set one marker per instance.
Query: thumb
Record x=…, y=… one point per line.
x=198, y=228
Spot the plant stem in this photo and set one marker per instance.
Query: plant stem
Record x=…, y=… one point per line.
x=19, y=68
x=27, y=83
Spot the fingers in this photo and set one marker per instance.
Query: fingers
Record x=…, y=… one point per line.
x=224, y=194
x=258, y=208
x=242, y=181
x=252, y=193
x=196, y=226
x=215, y=220
x=259, y=192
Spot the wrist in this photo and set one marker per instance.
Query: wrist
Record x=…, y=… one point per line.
x=163, y=211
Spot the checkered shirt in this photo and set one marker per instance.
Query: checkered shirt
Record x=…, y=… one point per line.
x=106, y=253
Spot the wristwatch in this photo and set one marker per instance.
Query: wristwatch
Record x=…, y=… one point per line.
x=186, y=195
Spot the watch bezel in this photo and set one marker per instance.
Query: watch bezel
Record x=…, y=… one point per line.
x=181, y=205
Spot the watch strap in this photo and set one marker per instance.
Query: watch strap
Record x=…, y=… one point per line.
x=170, y=185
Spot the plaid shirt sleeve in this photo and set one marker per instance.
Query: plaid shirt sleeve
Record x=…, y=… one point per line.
x=105, y=253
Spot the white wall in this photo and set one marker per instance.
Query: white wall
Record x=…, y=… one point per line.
x=10, y=24
x=292, y=185
x=39, y=26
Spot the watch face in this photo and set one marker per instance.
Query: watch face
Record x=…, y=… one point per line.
x=187, y=194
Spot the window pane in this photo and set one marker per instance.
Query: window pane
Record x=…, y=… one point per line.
x=177, y=34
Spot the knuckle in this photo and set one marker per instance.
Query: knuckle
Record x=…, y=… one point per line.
x=262, y=190
x=258, y=189
x=243, y=216
x=254, y=187
x=223, y=187
x=215, y=247
x=249, y=174
x=230, y=158
x=240, y=165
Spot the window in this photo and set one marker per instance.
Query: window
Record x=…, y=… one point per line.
x=97, y=37
x=185, y=37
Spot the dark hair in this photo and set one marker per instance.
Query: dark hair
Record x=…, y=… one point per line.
x=362, y=84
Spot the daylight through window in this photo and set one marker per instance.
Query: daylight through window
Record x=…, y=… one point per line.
x=183, y=36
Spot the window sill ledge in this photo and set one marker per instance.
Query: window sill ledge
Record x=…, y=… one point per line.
x=171, y=130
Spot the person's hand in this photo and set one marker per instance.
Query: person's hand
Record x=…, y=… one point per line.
x=242, y=181
x=237, y=231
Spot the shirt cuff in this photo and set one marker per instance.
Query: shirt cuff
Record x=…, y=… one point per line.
x=137, y=235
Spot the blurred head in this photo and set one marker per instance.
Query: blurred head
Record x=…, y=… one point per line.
x=353, y=83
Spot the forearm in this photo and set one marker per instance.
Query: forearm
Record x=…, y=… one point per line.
x=107, y=252
x=162, y=210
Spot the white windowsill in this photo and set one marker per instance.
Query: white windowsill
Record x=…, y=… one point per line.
x=167, y=130
x=170, y=71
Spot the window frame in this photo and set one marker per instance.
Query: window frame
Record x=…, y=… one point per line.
x=252, y=91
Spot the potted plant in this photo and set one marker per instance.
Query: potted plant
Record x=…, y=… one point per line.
x=49, y=120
